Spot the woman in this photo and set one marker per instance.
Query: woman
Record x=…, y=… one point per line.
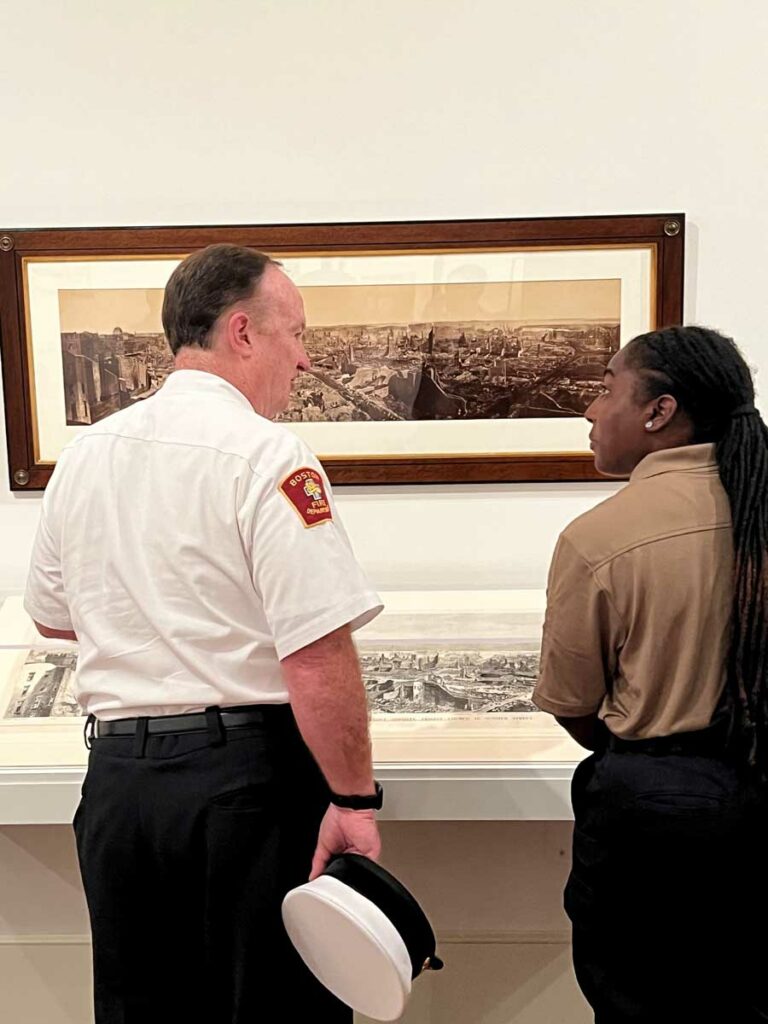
x=654, y=657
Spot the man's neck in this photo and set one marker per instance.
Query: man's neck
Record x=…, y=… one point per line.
x=188, y=358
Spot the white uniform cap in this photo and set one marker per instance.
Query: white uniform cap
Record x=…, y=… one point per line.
x=362, y=934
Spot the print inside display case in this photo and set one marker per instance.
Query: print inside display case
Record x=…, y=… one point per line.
x=449, y=677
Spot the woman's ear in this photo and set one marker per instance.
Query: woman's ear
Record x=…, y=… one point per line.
x=661, y=412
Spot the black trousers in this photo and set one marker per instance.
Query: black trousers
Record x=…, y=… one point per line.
x=667, y=892
x=186, y=850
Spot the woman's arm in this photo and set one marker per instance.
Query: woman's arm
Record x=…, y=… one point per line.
x=589, y=731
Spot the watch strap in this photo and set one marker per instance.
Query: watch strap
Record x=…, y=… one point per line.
x=355, y=802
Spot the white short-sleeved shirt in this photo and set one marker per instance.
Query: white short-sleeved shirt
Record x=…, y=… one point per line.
x=191, y=544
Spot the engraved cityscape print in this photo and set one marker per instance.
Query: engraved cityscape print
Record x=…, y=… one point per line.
x=44, y=686
x=437, y=679
x=413, y=679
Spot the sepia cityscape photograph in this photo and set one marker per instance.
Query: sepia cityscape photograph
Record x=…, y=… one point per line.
x=499, y=350
x=113, y=350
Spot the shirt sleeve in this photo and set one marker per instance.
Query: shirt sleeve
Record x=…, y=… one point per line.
x=303, y=566
x=581, y=639
x=45, y=598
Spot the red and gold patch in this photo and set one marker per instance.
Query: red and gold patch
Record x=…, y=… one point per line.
x=305, y=490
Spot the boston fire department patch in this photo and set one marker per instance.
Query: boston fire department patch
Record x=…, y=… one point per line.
x=305, y=490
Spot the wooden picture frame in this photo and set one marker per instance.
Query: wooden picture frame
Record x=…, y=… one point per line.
x=510, y=320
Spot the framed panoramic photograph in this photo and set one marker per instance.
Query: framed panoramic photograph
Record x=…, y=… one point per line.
x=445, y=351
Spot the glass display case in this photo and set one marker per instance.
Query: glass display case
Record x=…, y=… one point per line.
x=449, y=677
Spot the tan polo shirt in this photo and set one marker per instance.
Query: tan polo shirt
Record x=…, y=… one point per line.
x=639, y=602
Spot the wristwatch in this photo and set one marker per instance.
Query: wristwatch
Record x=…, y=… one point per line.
x=371, y=802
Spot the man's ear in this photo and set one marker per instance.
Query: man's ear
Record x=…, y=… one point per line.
x=237, y=334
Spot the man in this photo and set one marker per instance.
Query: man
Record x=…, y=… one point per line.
x=193, y=548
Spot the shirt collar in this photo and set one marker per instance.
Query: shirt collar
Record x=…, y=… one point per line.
x=199, y=381
x=689, y=457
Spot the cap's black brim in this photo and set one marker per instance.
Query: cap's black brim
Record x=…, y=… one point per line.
x=380, y=887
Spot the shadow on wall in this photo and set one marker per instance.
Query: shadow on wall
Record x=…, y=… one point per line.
x=493, y=983
x=40, y=882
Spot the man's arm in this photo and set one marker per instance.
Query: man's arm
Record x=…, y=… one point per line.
x=331, y=711
x=45, y=599
x=55, y=634
x=588, y=730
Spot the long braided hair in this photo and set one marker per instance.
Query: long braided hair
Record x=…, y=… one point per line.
x=708, y=376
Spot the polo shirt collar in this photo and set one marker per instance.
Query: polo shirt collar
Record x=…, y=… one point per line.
x=201, y=381
x=689, y=457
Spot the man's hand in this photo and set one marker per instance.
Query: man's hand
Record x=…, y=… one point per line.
x=345, y=831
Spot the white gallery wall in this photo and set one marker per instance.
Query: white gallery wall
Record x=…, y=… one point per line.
x=270, y=111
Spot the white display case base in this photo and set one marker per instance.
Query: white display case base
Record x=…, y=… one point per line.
x=417, y=792
x=435, y=763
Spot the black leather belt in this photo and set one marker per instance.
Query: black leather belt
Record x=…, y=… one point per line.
x=168, y=724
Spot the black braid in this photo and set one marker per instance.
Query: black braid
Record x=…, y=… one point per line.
x=707, y=374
